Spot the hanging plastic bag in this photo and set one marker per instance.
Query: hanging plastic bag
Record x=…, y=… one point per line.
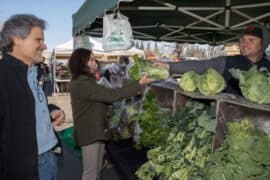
x=117, y=32
x=82, y=41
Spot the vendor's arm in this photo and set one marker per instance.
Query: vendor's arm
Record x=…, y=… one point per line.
x=199, y=66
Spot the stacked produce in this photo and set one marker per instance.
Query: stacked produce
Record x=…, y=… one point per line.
x=243, y=155
x=186, y=148
x=254, y=84
x=142, y=67
x=209, y=83
x=186, y=153
x=153, y=121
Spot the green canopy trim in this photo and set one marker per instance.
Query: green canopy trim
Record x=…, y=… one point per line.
x=89, y=11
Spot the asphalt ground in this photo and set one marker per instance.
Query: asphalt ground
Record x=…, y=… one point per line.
x=70, y=167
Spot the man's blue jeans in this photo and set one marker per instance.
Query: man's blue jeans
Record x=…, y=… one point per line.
x=47, y=166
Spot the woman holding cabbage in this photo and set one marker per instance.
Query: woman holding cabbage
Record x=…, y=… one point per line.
x=89, y=102
x=253, y=42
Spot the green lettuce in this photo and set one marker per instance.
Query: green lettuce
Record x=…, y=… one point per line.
x=143, y=67
x=211, y=82
x=188, y=81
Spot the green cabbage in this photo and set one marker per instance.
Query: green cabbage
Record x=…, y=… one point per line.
x=142, y=67
x=158, y=73
x=211, y=82
x=254, y=84
x=188, y=81
x=138, y=69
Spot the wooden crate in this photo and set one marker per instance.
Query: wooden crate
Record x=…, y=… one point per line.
x=228, y=107
x=231, y=109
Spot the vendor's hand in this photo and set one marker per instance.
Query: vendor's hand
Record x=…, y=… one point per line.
x=146, y=80
x=58, y=117
x=161, y=64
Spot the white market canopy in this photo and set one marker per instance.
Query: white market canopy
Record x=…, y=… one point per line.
x=96, y=46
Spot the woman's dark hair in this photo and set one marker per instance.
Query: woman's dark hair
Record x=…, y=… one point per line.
x=77, y=62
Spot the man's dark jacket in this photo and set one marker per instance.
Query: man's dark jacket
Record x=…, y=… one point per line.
x=18, y=142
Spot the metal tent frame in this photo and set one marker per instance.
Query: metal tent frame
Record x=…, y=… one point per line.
x=195, y=21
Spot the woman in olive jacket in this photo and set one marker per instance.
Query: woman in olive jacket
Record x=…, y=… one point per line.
x=89, y=107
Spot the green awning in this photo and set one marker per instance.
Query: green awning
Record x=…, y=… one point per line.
x=197, y=21
x=89, y=11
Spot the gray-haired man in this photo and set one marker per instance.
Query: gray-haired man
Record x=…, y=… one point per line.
x=26, y=131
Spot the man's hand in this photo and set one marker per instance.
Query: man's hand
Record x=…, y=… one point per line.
x=145, y=80
x=58, y=117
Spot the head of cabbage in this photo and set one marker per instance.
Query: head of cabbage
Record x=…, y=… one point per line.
x=188, y=82
x=211, y=82
x=143, y=67
x=254, y=84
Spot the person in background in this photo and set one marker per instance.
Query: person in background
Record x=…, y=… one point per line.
x=27, y=137
x=89, y=102
x=253, y=42
x=45, y=77
x=114, y=70
x=124, y=66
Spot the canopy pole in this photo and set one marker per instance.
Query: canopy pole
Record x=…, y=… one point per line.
x=227, y=13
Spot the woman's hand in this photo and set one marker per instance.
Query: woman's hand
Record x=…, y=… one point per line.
x=145, y=80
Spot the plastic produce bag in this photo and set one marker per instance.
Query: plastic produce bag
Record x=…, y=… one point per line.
x=117, y=32
x=104, y=82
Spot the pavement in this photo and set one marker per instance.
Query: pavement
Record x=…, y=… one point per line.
x=70, y=168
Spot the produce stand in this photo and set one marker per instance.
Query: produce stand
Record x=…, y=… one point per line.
x=229, y=107
x=169, y=95
x=123, y=154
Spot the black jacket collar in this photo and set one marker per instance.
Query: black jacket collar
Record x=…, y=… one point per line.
x=9, y=59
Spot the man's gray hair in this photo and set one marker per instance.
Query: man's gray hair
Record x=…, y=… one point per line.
x=19, y=25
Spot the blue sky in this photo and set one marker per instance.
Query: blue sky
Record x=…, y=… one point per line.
x=57, y=13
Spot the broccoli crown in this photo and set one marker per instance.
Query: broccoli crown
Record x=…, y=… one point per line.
x=244, y=154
